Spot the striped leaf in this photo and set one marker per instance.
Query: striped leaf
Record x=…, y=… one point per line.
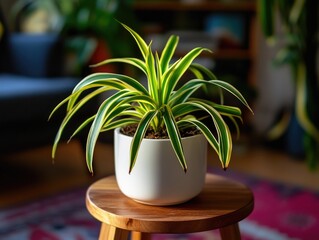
x=151, y=75
x=185, y=91
x=170, y=82
x=168, y=52
x=199, y=70
x=120, y=123
x=131, y=61
x=174, y=135
x=230, y=88
x=224, y=136
x=81, y=127
x=98, y=124
x=139, y=135
x=139, y=41
x=69, y=116
x=108, y=78
x=204, y=130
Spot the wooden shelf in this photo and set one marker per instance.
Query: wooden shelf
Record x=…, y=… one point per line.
x=236, y=54
x=161, y=17
x=212, y=5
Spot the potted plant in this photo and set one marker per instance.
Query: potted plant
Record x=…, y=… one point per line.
x=89, y=29
x=299, y=49
x=159, y=114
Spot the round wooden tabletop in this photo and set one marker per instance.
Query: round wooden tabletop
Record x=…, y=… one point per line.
x=222, y=202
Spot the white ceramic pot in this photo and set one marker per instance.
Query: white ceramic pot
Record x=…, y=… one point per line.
x=157, y=177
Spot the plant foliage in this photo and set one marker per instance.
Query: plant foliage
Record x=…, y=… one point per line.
x=299, y=21
x=159, y=105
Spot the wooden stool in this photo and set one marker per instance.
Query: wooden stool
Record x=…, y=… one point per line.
x=221, y=205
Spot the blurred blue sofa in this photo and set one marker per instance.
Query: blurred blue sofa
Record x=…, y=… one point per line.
x=31, y=85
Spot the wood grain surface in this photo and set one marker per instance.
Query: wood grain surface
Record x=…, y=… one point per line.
x=221, y=203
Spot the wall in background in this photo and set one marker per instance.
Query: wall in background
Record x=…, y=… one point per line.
x=274, y=84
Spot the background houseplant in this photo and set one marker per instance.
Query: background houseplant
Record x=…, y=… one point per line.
x=89, y=26
x=160, y=108
x=299, y=19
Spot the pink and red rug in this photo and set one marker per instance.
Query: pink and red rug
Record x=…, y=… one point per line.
x=281, y=212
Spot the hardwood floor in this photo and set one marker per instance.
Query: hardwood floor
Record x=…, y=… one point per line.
x=275, y=166
x=31, y=175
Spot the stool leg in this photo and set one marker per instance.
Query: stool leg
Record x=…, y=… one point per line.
x=230, y=232
x=140, y=236
x=110, y=232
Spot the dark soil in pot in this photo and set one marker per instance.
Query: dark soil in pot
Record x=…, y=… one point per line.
x=151, y=134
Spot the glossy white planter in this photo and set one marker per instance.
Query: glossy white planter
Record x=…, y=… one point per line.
x=157, y=177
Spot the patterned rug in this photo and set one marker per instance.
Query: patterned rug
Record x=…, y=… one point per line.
x=281, y=212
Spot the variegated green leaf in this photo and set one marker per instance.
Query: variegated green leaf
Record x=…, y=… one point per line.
x=98, y=124
x=139, y=135
x=74, y=97
x=108, y=78
x=140, y=42
x=204, y=130
x=222, y=109
x=69, y=116
x=81, y=127
x=184, y=92
x=236, y=125
x=224, y=136
x=159, y=80
x=174, y=135
x=120, y=107
x=120, y=123
x=168, y=52
x=132, y=61
x=115, y=113
x=230, y=88
x=198, y=70
x=171, y=81
x=151, y=75
x=184, y=109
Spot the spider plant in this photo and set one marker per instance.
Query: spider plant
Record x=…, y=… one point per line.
x=160, y=105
